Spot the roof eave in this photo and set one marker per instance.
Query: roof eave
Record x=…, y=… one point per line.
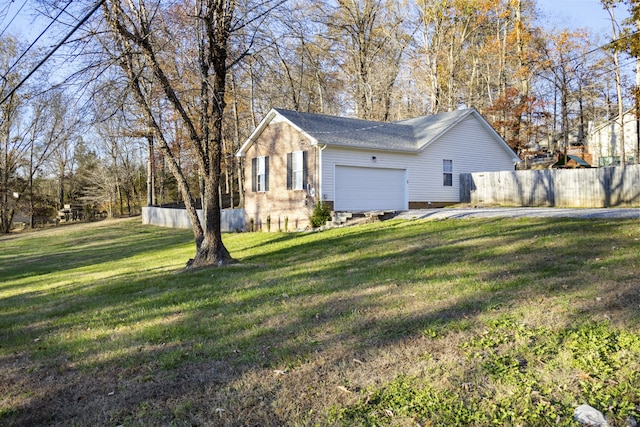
x=311, y=138
x=256, y=132
x=444, y=131
x=483, y=122
x=263, y=125
x=370, y=147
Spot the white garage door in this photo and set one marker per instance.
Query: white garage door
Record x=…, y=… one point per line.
x=363, y=189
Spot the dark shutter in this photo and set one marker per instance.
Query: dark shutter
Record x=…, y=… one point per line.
x=254, y=174
x=266, y=173
x=289, y=171
x=304, y=170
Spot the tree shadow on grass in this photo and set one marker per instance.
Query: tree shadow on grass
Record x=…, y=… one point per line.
x=182, y=348
x=77, y=249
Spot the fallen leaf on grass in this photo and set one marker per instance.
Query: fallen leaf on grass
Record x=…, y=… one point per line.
x=342, y=388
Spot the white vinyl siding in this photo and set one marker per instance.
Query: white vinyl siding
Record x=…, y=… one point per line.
x=470, y=146
x=604, y=142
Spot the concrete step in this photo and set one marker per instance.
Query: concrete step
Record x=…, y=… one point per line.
x=339, y=219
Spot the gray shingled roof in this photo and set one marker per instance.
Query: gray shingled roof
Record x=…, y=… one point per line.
x=406, y=135
x=411, y=135
x=428, y=128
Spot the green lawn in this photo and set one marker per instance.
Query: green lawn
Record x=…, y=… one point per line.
x=456, y=322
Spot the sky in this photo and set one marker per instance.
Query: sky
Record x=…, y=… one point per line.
x=579, y=14
x=559, y=13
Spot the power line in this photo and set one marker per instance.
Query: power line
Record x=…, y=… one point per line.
x=611, y=68
x=55, y=48
x=596, y=49
x=12, y=19
x=36, y=40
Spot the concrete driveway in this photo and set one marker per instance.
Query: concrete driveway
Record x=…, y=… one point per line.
x=461, y=213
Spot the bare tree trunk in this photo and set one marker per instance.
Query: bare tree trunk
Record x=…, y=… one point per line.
x=204, y=129
x=116, y=175
x=212, y=249
x=636, y=98
x=564, y=111
x=616, y=68
x=163, y=176
x=6, y=213
x=61, y=191
x=32, y=221
x=252, y=97
x=236, y=137
x=150, y=172
x=5, y=216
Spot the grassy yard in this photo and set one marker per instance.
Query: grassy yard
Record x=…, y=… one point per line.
x=456, y=322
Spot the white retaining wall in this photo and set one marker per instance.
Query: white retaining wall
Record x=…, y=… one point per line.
x=231, y=219
x=582, y=188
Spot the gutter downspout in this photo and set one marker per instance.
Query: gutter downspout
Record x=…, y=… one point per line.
x=320, y=195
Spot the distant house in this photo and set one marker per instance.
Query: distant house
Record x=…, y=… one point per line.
x=549, y=152
x=604, y=141
x=294, y=160
x=570, y=161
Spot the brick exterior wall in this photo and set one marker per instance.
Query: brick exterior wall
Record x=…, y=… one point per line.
x=283, y=207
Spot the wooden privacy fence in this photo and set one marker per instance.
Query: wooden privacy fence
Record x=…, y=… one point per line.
x=583, y=188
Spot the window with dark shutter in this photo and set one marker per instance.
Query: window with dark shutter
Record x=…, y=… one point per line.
x=260, y=174
x=254, y=174
x=266, y=173
x=305, y=170
x=289, y=171
x=296, y=170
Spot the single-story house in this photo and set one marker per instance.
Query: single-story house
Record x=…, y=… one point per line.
x=295, y=160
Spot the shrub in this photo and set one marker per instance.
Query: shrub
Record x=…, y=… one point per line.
x=321, y=214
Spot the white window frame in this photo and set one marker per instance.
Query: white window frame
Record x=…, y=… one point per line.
x=297, y=170
x=261, y=174
x=447, y=173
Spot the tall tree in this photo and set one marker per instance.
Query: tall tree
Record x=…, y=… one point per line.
x=8, y=164
x=629, y=42
x=609, y=6
x=369, y=38
x=566, y=65
x=52, y=121
x=186, y=48
x=11, y=142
